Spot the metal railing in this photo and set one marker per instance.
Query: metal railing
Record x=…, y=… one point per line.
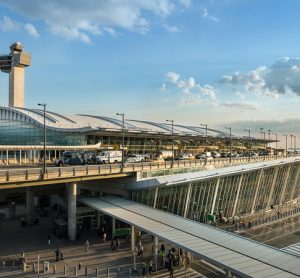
x=36, y=174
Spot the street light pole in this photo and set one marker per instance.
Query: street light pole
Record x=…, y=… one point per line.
x=230, y=146
x=44, y=158
x=123, y=139
x=205, y=161
x=249, y=132
x=172, y=123
x=269, y=133
x=38, y=268
x=276, y=143
x=286, y=154
x=291, y=142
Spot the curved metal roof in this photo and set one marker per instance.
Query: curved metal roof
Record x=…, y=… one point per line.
x=79, y=123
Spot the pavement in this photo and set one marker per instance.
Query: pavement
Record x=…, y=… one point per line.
x=33, y=241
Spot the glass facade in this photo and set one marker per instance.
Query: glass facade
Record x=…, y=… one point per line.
x=22, y=133
x=236, y=195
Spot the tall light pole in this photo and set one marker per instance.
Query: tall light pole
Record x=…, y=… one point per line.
x=276, y=143
x=295, y=144
x=205, y=161
x=269, y=133
x=249, y=132
x=264, y=133
x=44, y=158
x=286, y=154
x=291, y=142
x=230, y=146
x=172, y=123
x=123, y=130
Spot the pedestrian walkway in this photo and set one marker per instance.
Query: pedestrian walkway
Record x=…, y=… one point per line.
x=178, y=273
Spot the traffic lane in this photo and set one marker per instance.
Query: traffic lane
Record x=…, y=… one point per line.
x=279, y=235
x=4, y=167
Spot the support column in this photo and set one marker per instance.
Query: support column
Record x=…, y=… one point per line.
x=285, y=184
x=237, y=195
x=295, y=182
x=29, y=205
x=187, y=200
x=215, y=196
x=155, y=249
x=132, y=238
x=272, y=188
x=113, y=227
x=257, y=189
x=72, y=192
x=155, y=197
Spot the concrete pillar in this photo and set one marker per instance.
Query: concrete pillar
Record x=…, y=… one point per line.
x=113, y=226
x=72, y=193
x=215, y=196
x=228, y=274
x=29, y=205
x=272, y=187
x=187, y=201
x=155, y=249
x=155, y=197
x=237, y=195
x=132, y=238
x=256, y=190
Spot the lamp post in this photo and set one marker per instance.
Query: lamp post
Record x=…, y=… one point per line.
x=249, y=132
x=44, y=158
x=230, y=146
x=123, y=129
x=269, y=133
x=205, y=161
x=286, y=154
x=291, y=142
x=172, y=123
x=276, y=143
x=295, y=149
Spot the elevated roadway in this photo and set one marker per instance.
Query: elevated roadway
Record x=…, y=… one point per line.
x=241, y=256
x=20, y=177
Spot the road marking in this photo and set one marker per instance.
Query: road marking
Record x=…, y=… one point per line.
x=281, y=236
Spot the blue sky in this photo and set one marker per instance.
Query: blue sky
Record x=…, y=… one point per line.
x=220, y=62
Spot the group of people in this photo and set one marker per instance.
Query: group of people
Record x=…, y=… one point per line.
x=115, y=244
x=59, y=254
x=170, y=258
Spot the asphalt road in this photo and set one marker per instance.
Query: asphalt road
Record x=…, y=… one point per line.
x=280, y=234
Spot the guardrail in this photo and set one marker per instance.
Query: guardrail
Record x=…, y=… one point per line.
x=36, y=174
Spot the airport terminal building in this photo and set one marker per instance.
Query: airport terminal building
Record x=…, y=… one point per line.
x=24, y=128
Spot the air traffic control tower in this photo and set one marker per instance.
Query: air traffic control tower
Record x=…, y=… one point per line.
x=14, y=64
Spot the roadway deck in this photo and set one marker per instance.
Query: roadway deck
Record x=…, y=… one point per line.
x=241, y=256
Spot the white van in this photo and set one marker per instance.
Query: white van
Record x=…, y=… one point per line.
x=109, y=156
x=132, y=158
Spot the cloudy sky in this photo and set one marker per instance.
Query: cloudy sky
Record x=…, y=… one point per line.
x=225, y=62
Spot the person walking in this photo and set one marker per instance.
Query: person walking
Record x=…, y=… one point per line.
x=87, y=245
x=79, y=266
x=61, y=255
x=49, y=239
x=117, y=244
x=150, y=267
x=57, y=254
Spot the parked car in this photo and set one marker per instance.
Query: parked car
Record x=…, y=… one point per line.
x=132, y=158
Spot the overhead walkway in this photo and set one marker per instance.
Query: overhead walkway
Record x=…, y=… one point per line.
x=239, y=255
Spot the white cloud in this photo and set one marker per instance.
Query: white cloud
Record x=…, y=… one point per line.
x=8, y=25
x=281, y=78
x=240, y=105
x=185, y=3
x=172, y=28
x=190, y=92
x=80, y=20
x=207, y=16
x=31, y=30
